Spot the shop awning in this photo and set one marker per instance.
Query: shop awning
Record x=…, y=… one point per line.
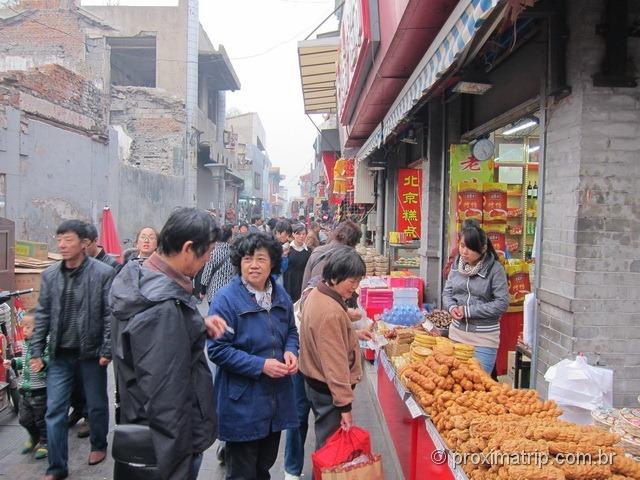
x=318, y=59
x=452, y=40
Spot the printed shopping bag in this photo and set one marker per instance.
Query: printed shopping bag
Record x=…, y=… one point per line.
x=341, y=447
x=365, y=467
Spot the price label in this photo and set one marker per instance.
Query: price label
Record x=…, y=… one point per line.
x=401, y=391
x=414, y=408
x=386, y=365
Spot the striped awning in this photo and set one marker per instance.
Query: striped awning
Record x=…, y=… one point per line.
x=318, y=59
x=452, y=40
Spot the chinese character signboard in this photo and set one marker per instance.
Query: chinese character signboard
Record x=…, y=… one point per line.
x=409, y=202
x=359, y=39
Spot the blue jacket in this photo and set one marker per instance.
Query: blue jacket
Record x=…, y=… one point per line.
x=251, y=404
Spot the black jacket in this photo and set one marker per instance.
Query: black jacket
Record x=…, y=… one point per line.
x=92, y=284
x=162, y=372
x=104, y=257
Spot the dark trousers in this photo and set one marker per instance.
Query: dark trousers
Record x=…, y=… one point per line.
x=295, y=438
x=32, y=410
x=252, y=460
x=60, y=378
x=327, y=417
x=78, y=401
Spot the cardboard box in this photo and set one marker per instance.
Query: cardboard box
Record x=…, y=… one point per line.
x=25, y=248
x=29, y=278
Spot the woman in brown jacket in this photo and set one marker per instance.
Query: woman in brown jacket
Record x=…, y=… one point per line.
x=329, y=349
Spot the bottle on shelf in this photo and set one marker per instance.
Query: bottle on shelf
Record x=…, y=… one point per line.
x=529, y=190
x=534, y=192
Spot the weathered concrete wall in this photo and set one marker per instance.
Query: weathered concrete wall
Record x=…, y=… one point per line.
x=145, y=198
x=52, y=174
x=590, y=286
x=170, y=27
x=155, y=121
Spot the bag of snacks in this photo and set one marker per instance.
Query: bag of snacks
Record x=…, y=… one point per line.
x=469, y=201
x=519, y=283
x=496, y=233
x=495, y=202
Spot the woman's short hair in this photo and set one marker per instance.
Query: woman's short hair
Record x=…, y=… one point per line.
x=347, y=233
x=299, y=227
x=342, y=264
x=248, y=244
x=188, y=224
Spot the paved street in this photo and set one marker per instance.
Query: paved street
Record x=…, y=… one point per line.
x=14, y=466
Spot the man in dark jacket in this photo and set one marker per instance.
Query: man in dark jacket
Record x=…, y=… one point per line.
x=97, y=251
x=78, y=402
x=73, y=312
x=158, y=342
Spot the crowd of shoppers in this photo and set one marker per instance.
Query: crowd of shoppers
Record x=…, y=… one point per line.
x=143, y=314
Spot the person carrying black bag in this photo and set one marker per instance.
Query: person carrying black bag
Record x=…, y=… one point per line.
x=158, y=337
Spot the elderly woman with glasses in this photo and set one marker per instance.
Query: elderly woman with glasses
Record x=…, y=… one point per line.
x=255, y=358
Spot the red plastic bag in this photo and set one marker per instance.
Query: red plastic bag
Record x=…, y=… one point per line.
x=341, y=447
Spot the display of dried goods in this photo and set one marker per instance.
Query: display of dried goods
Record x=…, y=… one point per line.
x=440, y=318
x=475, y=414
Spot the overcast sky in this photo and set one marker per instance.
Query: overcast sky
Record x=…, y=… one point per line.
x=266, y=31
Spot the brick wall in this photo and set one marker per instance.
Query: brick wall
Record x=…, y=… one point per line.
x=590, y=281
x=54, y=93
x=155, y=122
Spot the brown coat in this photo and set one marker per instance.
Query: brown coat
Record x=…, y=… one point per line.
x=329, y=348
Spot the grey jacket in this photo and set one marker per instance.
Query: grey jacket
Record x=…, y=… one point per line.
x=162, y=372
x=92, y=285
x=485, y=296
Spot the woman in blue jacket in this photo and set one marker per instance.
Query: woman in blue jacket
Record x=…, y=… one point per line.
x=256, y=362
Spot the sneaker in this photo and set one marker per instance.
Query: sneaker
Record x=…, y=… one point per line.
x=41, y=451
x=29, y=445
x=288, y=476
x=83, y=429
x=75, y=417
x=220, y=453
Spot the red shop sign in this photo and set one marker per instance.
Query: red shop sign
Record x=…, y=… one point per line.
x=409, y=202
x=359, y=39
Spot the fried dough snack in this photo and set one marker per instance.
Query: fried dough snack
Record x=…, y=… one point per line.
x=626, y=466
x=585, y=471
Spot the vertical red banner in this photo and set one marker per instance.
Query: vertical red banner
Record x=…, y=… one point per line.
x=409, y=202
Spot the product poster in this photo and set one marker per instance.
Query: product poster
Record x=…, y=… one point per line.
x=409, y=202
x=467, y=170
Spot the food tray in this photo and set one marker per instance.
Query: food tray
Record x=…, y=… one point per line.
x=630, y=443
x=605, y=418
x=630, y=420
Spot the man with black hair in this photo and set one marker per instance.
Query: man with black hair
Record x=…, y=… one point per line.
x=97, y=251
x=158, y=342
x=73, y=312
x=78, y=402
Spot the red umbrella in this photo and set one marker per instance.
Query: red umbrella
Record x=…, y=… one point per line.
x=109, y=238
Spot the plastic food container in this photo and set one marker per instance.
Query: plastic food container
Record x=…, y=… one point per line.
x=605, y=418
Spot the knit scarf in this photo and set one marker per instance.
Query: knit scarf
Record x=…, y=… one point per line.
x=467, y=269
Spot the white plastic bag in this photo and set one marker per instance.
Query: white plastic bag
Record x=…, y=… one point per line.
x=530, y=312
x=580, y=388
